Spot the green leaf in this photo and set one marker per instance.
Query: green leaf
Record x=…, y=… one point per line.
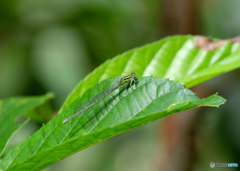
x=12, y=113
x=176, y=58
x=41, y=114
x=125, y=108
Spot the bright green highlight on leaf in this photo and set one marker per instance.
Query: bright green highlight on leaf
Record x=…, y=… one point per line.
x=12, y=113
x=176, y=58
x=125, y=108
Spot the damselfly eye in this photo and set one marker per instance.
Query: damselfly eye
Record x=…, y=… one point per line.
x=133, y=73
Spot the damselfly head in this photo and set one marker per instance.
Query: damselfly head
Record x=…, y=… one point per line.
x=133, y=74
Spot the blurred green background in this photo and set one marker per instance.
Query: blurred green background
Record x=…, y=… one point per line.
x=51, y=45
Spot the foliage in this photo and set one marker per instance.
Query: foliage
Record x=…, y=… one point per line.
x=176, y=58
x=12, y=111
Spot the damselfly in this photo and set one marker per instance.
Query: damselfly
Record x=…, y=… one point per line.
x=130, y=78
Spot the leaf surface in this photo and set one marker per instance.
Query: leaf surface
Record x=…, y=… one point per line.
x=12, y=113
x=125, y=108
x=176, y=58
